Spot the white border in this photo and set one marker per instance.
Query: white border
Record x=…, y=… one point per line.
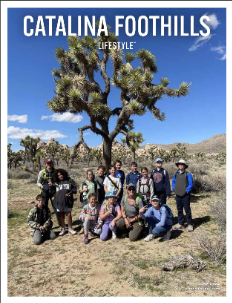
x=105, y=4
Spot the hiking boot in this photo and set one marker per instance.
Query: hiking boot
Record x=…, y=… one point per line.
x=179, y=226
x=114, y=236
x=81, y=231
x=91, y=234
x=72, y=231
x=167, y=236
x=86, y=240
x=149, y=238
x=62, y=232
x=190, y=227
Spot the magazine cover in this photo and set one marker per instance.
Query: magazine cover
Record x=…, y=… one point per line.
x=116, y=150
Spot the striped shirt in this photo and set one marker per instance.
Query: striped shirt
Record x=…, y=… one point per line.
x=93, y=212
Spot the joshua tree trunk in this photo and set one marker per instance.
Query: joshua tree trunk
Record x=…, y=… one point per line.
x=107, y=148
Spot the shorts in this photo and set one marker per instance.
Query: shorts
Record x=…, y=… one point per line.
x=64, y=209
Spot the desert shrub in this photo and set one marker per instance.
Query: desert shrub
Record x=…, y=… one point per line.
x=171, y=168
x=196, y=168
x=17, y=174
x=209, y=183
x=218, y=210
x=214, y=249
x=10, y=185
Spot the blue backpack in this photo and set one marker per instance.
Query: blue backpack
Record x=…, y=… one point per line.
x=168, y=210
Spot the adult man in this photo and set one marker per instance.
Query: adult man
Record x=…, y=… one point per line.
x=182, y=184
x=44, y=182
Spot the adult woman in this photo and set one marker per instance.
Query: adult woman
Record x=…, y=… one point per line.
x=160, y=216
x=65, y=188
x=109, y=214
x=131, y=220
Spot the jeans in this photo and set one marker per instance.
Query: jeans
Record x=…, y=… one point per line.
x=39, y=236
x=158, y=230
x=105, y=230
x=184, y=202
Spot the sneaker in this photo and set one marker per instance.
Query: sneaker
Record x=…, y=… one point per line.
x=91, y=234
x=72, y=231
x=167, y=236
x=62, y=232
x=81, y=231
x=114, y=236
x=86, y=240
x=179, y=226
x=149, y=238
x=190, y=227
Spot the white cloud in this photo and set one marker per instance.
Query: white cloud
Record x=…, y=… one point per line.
x=65, y=117
x=20, y=119
x=213, y=21
x=21, y=133
x=221, y=50
x=86, y=134
x=199, y=42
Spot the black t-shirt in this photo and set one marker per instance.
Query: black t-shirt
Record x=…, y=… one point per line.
x=40, y=216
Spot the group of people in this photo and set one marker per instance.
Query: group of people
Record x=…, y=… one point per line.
x=108, y=208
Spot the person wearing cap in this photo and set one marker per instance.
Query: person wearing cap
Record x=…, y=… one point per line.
x=159, y=216
x=110, y=212
x=45, y=181
x=161, y=181
x=182, y=185
x=131, y=203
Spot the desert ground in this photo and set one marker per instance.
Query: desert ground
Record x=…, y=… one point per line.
x=67, y=267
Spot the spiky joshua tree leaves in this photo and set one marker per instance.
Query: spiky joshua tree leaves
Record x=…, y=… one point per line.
x=133, y=141
x=78, y=91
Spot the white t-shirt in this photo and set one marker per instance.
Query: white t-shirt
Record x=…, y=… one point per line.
x=110, y=186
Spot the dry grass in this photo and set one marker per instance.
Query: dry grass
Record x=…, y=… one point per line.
x=111, y=268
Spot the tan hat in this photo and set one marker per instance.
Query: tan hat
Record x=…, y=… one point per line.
x=182, y=161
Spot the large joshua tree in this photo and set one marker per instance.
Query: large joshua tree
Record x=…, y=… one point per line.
x=77, y=89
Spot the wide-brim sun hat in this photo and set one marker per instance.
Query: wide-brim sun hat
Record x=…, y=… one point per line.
x=182, y=161
x=110, y=194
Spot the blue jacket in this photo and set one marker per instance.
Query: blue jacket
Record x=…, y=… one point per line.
x=161, y=181
x=162, y=215
x=190, y=182
x=133, y=178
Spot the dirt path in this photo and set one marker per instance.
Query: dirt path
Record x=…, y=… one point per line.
x=67, y=267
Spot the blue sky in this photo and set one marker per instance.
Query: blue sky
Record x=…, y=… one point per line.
x=191, y=119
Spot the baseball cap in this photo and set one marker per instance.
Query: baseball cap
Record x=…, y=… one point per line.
x=48, y=161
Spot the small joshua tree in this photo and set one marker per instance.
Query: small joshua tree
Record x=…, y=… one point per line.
x=133, y=141
x=77, y=89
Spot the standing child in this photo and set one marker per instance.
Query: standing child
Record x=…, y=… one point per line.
x=109, y=214
x=161, y=181
x=99, y=180
x=121, y=175
x=65, y=188
x=89, y=186
x=90, y=216
x=111, y=183
x=182, y=184
x=39, y=219
x=145, y=187
x=133, y=176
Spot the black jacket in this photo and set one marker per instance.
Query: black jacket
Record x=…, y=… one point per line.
x=63, y=188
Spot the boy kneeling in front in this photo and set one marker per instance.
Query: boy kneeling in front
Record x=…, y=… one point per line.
x=39, y=219
x=161, y=217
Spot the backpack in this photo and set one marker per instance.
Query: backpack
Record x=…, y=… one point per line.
x=168, y=210
x=147, y=183
x=84, y=183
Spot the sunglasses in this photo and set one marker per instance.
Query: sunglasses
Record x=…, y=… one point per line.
x=131, y=189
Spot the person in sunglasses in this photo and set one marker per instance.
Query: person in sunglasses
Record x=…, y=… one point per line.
x=131, y=221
